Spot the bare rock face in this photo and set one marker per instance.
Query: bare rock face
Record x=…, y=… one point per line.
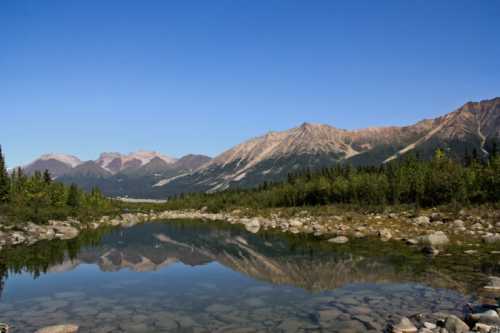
x=68, y=328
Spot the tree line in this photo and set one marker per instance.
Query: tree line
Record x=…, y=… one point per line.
x=407, y=180
x=37, y=198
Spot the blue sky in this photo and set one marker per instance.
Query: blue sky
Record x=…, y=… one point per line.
x=182, y=77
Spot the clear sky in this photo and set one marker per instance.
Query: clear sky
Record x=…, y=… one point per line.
x=182, y=77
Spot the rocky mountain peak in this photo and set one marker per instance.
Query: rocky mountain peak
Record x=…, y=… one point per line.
x=64, y=158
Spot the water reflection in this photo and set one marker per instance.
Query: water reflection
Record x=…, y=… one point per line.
x=196, y=276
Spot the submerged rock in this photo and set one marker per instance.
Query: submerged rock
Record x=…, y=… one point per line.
x=339, y=240
x=68, y=328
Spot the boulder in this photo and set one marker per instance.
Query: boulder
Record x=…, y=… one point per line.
x=403, y=326
x=482, y=328
x=421, y=220
x=65, y=232
x=385, y=234
x=453, y=324
x=437, y=238
x=494, y=283
x=295, y=223
x=252, y=225
x=489, y=315
x=491, y=238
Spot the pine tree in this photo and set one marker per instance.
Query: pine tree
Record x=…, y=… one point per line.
x=4, y=179
x=47, y=178
x=494, y=150
x=73, y=197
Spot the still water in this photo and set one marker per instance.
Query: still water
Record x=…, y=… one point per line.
x=194, y=276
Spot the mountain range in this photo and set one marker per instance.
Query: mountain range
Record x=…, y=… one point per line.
x=271, y=157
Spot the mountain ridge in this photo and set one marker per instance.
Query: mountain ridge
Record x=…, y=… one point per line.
x=272, y=156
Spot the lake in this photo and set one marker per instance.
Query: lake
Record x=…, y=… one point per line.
x=195, y=276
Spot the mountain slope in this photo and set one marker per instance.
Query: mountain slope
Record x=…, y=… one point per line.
x=272, y=156
x=57, y=164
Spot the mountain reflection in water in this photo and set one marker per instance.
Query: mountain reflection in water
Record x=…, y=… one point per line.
x=211, y=265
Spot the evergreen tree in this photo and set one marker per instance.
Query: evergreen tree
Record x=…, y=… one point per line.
x=494, y=150
x=47, y=178
x=73, y=196
x=4, y=179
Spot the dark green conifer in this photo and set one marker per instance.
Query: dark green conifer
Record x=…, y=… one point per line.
x=73, y=196
x=4, y=179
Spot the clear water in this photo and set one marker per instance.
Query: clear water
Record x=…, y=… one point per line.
x=194, y=276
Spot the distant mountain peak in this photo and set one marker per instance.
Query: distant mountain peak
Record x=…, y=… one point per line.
x=64, y=158
x=116, y=162
x=272, y=156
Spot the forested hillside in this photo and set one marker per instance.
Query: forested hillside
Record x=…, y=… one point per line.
x=409, y=180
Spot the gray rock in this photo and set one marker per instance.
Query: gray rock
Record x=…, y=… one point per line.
x=453, y=324
x=491, y=238
x=404, y=326
x=482, y=328
x=487, y=315
x=412, y=241
x=65, y=232
x=253, y=225
x=421, y=220
x=295, y=223
x=339, y=240
x=477, y=226
x=494, y=283
x=384, y=234
x=437, y=238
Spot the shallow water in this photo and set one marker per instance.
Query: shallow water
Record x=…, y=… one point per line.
x=194, y=276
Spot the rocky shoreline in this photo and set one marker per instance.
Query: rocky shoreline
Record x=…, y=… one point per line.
x=431, y=231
